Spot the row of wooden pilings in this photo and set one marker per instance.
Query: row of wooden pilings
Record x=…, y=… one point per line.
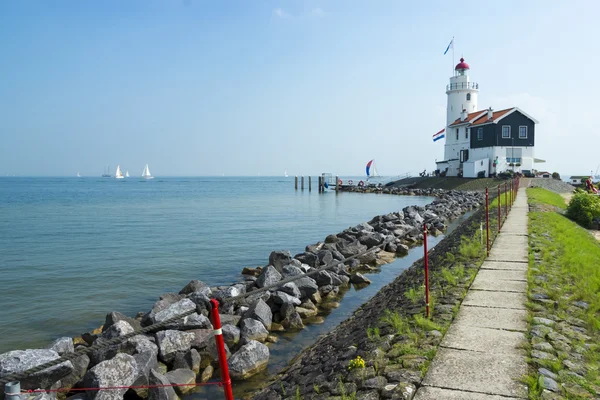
x=320, y=184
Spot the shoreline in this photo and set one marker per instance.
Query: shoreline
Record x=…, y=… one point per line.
x=253, y=317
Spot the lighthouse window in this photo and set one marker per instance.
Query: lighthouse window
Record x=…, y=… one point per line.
x=505, y=131
x=468, y=96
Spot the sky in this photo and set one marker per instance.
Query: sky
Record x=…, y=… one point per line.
x=259, y=87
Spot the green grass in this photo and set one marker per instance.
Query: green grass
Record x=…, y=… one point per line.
x=400, y=325
x=426, y=324
x=415, y=294
x=543, y=196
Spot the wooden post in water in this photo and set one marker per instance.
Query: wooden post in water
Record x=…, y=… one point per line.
x=337, y=184
x=302, y=182
x=309, y=183
x=296, y=182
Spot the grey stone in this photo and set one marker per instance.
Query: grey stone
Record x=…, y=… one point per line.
x=113, y=317
x=231, y=334
x=543, y=321
x=549, y=374
x=281, y=297
x=62, y=345
x=260, y=311
x=118, y=329
x=280, y=258
x=323, y=278
x=159, y=389
x=549, y=383
x=291, y=289
x=201, y=338
x=80, y=366
x=293, y=322
x=377, y=382
x=252, y=329
x=196, y=286
x=268, y=276
x=170, y=342
x=188, y=360
x=22, y=360
x=119, y=371
x=307, y=287
x=543, y=346
x=250, y=359
x=178, y=308
x=358, y=278
x=180, y=377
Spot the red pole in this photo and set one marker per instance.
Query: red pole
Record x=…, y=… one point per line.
x=499, y=208
x=216, y=322
x=487, y=220
x=511, y=194
x=426, y=269
x=505, y=199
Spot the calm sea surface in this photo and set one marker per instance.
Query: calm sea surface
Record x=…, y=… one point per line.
x=74, y=249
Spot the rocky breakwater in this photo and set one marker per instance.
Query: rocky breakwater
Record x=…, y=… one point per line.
x=402, y=191
x=282, y=296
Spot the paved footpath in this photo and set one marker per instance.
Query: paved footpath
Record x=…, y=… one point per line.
x=481, y=357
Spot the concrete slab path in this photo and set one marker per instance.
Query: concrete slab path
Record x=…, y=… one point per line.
x=481, y=356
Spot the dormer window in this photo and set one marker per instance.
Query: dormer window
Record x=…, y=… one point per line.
x=468, y=96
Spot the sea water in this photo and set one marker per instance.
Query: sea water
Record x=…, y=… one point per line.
x=74, y=249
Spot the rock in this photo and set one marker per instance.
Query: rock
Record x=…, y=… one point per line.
x=170, y=342
x=315, y=297
x=280, y=258
x=291, y=270
x=307, y=287
x=119, y=371
x=189, y=360
x=80, y=366
x=207, y=374
x=252, y=329
x=581, y=304
x=202, y=302
x=548, y=383
x=194, y=321
x=159, y=390
x=542, y=355
x=358, y=278
x=260, y=311
x=196, y=286
x=231, y=334
x=62, y=345
x=229, y=292
x=293, y=322
x=230, y=319
x=201, y=338
x=399, y=391
x=22, y=360
x=291, y=289
x=544, y=346
x=376, y=383
x=268, y=276
x=549, y=374
x=324, y=257
x=118, y=329
x=211, y=353
x=280, y=298
x=251, y=271
x=543, y=321
x=113, y=317
x=250, y=359
x=182, y=376
x=323, y=278
x=146, y=360
x=307, y=258
x=349, y=249
x=305, y=313
x=182, y=306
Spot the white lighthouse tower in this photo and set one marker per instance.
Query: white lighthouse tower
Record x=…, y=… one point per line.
x=462, y=93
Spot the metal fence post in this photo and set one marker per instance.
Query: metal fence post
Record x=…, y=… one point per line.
x=12, y=390
x=505, y=200
x=426, y=259
x=216, y=322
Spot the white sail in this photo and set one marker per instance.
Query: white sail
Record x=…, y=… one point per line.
x=146, y=173
x=119, y=174
x=79, y=176
x=285, y=174
x=126, y=174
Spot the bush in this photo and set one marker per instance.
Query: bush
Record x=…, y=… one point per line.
x=481, y=174
x=584, y=209
x=555, y=175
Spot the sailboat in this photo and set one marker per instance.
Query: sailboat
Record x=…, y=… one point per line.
x=371, y=169
x=119, y=174
x=146, y=173
x=126, y=174
x=106, y=173
x=285, y=173
x=79, y=176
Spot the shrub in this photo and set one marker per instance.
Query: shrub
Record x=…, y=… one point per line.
x=555, y=175
x=358, y=362
x=584, y=208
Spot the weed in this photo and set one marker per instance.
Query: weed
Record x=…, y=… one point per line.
x=426, y=324
x=282, y=389
x=373, y=333
x=459, y=272
x=415, y=294
x=298, y=396
x=316, y=388
x=357, y=362
x=535, y=388
x=449, y=277
x=398, y=323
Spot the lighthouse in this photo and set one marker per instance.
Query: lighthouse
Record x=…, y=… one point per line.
x=462, y=93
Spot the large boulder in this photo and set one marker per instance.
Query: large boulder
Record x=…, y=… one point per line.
x=290, y=288
x=307, y=287
x=80, y=367
x=280, y=258
x=325, y=257
x=145, y=353
x=181, y=307
x=260, y=311
x=119, y=371
x=159, y=389
x=293, y=322
x=188, y=360
x=202, y=302
x=250, y=359
x=113, y=317
x=231, y=334
x=268, y=276
x=323, y=278
x=281, y=297
x=291, y=270
x=349, y=249
x=118, y=329
x=371, y=239
x=22, y=360
x=170, y=342
x=180, y=377
x=201, y=338
x=252, y=329
x=229, y=292
x=196, y=286
x=359, y=279
x=62, y=345
x=308, y=258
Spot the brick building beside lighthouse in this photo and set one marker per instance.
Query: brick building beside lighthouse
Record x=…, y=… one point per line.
x=483, y=142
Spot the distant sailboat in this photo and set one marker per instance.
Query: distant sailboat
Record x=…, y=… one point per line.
x=126, y=174
x=371, y=170
x=146, y=173
x=79, y=176
x=119, y=174
x=285, y=173
x=106, y=173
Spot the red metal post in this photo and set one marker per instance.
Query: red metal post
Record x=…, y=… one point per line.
x=505, y=199
x=426, y=269
x=216, y=322
x=487, y=220
x=499, y=208
x=511, y=194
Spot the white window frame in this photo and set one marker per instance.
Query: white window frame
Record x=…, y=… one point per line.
x=505, y=126
x=523, y=137
x=468, y=96
x=479, y=133
x=467, y=133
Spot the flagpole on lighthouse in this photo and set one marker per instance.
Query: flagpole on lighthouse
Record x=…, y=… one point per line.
x=452, y=54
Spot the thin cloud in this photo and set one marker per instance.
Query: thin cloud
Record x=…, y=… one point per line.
x=318, y=12
x=280, y=13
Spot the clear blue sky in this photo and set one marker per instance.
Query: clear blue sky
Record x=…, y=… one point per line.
x=248, y=87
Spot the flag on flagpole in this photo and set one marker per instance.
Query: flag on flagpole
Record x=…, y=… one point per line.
x=439, y=135
x=450, y=45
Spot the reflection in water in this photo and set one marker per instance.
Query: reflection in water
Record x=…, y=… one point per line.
x=291, y=344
